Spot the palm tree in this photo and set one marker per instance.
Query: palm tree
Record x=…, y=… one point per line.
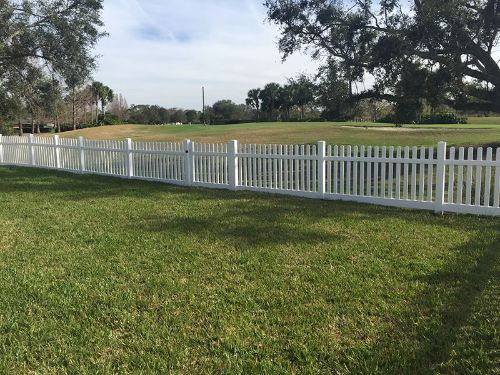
x=253, y=101
x=107, y=96
x=96, y=93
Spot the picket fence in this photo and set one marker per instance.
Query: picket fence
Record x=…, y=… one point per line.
x=442, y=179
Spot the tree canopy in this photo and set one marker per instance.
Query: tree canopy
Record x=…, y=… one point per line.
x=447, y=44
x=45, y=42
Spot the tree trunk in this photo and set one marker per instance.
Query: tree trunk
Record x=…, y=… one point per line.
x=38, y=127
x=32, y=124
x=20, y=128
x=103, y=112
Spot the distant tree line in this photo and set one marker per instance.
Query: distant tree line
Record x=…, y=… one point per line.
x=157, y=115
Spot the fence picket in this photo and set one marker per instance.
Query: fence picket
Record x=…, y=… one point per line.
x=430, y=175
x=390, y=181
x=398, y=173
x=348, y=171
x=421, y=188
x=362, y=171
x=479, y=172
x=355, y=172
x=335, y=169
x=406, y=173
x=414, y=166
x=342, y=170
x=460, y=182
x=369, y=172
x=468, y=189
x=487, y=179
x=383, y=172
x=376, y=156
x=496, y=193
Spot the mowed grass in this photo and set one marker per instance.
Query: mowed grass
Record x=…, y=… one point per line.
x=102, y=275
x=293, y=133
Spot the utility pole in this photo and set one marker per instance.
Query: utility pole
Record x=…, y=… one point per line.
x=203, y=98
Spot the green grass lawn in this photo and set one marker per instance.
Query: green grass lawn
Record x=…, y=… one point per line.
x=334, y=133
x=102, y=275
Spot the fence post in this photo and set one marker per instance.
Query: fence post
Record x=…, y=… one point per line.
x=440, y=177
x=31, y=150
x=321, y=168
x=187, y=146
x=82, y=154
x=233, y=164
x=57, y=151
x=1, y=149
x=129, y=158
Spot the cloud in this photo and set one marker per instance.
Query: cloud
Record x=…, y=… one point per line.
x=162, y=52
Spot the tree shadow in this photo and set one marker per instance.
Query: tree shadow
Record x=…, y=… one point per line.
x=437, y=315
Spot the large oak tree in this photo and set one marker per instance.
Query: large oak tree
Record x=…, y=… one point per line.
x=446, y=44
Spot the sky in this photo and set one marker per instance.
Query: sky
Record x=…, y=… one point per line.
x=163, y=51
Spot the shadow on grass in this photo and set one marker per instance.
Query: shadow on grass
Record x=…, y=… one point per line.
x=273, y=208
x=453, y=299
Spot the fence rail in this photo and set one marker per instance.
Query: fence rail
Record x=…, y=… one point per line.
x=443, y=179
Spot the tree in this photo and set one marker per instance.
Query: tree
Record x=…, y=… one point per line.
x=97, y=90
x=226, y=112
x=381, y=38
x=332, y=92
x=177, y=115
x=253, y=101
x=271, y=97
x=106, y=96
x=192, y=116
x=102, y=94
x=53, y=37
x=302, y=90
x=119, y=107
x=287, y=100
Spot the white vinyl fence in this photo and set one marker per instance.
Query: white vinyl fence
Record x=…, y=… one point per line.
x=442, y=179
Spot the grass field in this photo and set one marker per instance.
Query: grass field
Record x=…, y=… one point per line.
x=334, y=133
x=101, y=275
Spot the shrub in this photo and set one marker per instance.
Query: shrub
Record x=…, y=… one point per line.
x=436, y=118
x=7, y=129
x=443, y=118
